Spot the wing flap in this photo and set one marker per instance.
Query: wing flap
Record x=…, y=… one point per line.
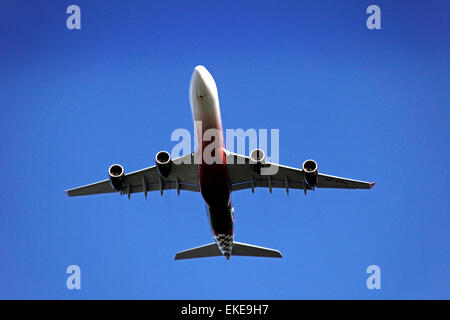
x=94, y=188
x=264, y=183
x=327, y=181
x=166, y=185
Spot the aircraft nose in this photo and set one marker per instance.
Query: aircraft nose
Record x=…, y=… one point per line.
x=198, y=84
x=202, y=83
x=201, y=73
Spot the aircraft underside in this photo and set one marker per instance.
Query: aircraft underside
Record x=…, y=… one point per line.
x=216, y=180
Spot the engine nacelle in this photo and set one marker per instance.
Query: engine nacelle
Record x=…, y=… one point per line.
x=163, y=163
x=116, y=176
x=311, y=171
x=257, y=160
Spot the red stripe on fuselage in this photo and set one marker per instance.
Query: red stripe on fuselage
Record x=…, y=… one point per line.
x=215, y=188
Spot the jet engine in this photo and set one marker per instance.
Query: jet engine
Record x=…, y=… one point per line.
x=311, y=172
x=116, y=176
x=163, y=163
x=257, y=160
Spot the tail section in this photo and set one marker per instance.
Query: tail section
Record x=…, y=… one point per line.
x=239, y=249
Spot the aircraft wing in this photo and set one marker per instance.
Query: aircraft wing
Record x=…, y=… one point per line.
x=183, y=176
x=243, y=176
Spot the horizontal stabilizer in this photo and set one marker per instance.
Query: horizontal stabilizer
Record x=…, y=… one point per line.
x=239, y=249
x=243, y=249
x=208, y=250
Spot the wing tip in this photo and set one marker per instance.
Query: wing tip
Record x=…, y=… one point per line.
x=70, y=193
x=372, y=184
x=278, y=254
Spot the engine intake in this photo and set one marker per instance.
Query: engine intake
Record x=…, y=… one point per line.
x=257, y=160
x=311, y=172
x=116, y=176
x=257, y=156
x=163, y=163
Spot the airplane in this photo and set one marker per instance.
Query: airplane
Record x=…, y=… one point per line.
x=215, y=180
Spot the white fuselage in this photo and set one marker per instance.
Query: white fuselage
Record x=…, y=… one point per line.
x=212, y=170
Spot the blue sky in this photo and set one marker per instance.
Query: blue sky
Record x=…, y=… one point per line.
x=365, y=104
